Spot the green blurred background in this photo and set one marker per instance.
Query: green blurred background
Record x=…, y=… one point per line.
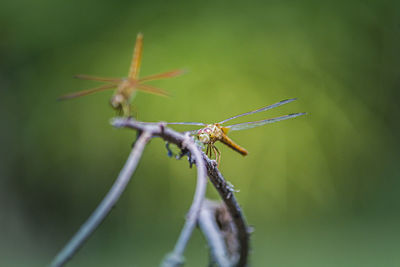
x=320, y=190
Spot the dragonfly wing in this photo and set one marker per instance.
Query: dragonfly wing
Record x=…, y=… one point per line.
x=137, y=57
x=164, y=75
x=95, y=78
x=177, y=123
x=283, y=102
x=187, y=123
x=87, y=92
x=151, y=89
x=249, y=125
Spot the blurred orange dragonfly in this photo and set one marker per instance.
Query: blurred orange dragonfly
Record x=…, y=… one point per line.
x=126, y=87
x=214, y=132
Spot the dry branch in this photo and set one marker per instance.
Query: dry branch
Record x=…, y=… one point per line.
x=224, y=189
x=205, y=167
x=227, y=194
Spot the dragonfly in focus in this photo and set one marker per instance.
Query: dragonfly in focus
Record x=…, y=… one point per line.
x=211, y=133
x=126, y=87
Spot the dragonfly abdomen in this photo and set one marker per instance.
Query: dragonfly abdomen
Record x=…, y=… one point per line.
x=227, y=141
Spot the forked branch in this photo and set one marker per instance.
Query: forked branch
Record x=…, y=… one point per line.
x=224, y=189
x=204, y=167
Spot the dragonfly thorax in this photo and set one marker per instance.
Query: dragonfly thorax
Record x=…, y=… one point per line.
x=123, y=93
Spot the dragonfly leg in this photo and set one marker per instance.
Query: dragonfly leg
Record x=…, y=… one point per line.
x=217, y=155
x=119, y=111
x=212, y=150
x=126, y=109
x=208, y=148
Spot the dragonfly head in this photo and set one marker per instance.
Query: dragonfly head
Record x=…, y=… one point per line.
x=117, y=101
x=204, y=135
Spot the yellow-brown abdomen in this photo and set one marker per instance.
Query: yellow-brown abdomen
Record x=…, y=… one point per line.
x=227, y=141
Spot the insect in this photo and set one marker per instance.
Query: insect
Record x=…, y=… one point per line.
x=211, y=133
x=126, y=87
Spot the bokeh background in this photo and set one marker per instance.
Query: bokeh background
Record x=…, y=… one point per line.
x=320, y=190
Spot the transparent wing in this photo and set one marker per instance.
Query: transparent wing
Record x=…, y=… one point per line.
x=87, y=92
x=164, y=75
x=178, y=123
x=95, y=78
x=249, y=125
x=283, y=102
x=137, y=57
x=187, y=123
x=151, y=89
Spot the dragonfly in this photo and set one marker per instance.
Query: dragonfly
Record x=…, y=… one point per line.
x=211, y=133
x=126, y=87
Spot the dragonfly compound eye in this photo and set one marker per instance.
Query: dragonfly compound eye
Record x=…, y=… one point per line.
x=207, y=130
x=204, y=138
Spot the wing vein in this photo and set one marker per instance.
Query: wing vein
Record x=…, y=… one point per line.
x=283, y=102
x=87, y=92
x=249, y=125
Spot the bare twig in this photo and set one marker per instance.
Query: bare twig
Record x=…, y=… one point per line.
x=106, y=205
x=209, y=226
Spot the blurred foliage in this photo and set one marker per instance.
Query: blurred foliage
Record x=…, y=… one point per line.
x=320, y=190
